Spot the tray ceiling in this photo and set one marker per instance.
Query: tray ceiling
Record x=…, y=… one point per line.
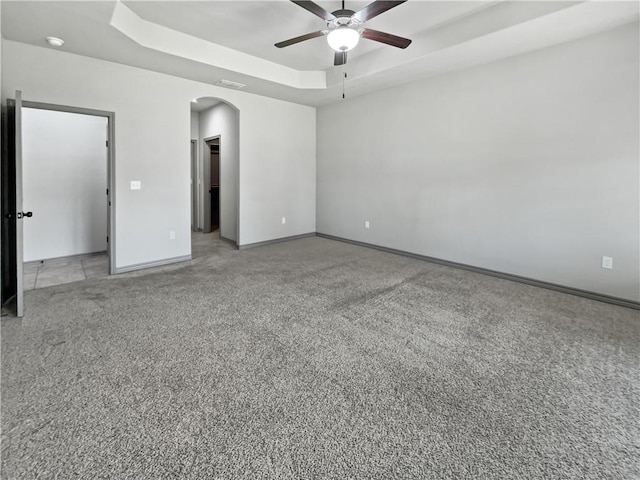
x=210, y=40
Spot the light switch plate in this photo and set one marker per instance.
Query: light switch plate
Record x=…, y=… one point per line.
x=136, y=184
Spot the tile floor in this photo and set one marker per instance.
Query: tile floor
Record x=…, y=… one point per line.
x=65, y=270
x=83, y=267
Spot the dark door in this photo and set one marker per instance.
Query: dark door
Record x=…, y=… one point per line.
x=214, y=190
x=12, y=215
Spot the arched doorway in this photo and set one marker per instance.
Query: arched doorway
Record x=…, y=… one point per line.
x=215, y=186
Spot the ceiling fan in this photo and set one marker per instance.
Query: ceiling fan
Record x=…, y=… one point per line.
x=345, y=27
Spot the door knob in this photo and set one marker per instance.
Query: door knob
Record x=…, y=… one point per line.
x=24, y=214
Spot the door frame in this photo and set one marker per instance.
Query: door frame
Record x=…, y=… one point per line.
x=111, y=170
x=206, y=174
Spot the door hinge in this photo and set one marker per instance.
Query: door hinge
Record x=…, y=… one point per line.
x=107, y=239
x=107, y=191
x=107, y=144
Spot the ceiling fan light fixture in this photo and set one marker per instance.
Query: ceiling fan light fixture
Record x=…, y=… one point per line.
x=343, y=39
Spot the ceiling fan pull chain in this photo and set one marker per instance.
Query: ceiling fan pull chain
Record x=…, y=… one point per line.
x=343, y=79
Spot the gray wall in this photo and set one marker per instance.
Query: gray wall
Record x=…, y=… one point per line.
x=221, y=120
x=527, y=166
x=64, y=171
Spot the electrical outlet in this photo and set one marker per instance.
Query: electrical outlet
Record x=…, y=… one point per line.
x=284, y=220
x=607, y=262
x=366, y=224
x=172, y=235
x=136, y=185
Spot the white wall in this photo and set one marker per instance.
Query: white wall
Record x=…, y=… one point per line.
x=222, y=120
x=152, y=123
x=277, y=171
x=527, y=166
x=195, y=128
x=64, y=161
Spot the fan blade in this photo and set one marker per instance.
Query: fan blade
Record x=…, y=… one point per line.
x=340, y=58
x=387, y=38
x=299, y=39
x=374, y=9
x=315, y=9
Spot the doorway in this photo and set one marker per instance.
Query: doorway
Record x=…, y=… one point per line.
x=64, y=184
x=46, y=177
x=214, y=184
x=216, y=125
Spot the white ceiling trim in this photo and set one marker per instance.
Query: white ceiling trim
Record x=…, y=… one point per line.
x=166, y=40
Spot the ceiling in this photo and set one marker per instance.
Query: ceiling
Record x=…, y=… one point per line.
x=208, y=41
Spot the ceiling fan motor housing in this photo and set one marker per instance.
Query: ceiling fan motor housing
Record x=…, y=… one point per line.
x=344, y=17
x=344, y=12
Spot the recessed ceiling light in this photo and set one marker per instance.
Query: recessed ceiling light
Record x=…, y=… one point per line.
x=55, y=41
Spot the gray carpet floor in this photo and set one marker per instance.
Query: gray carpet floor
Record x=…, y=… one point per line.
x=315, y=359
